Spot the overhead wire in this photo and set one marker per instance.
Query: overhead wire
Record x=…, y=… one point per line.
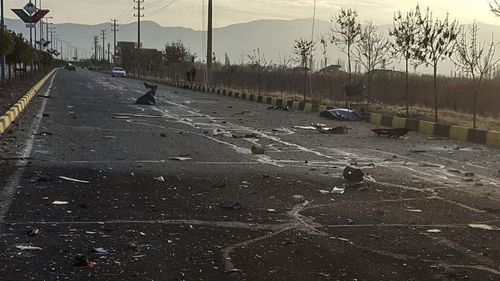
x=159, y=10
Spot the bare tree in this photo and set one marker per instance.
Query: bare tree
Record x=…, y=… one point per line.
x=477, y=59
x=437, y=40
x=324, y=51
x=495, y=8
x=371, y=52
x=303, y=49
x=405, y=32
x=284, y=62
x=259, y=64
x=345, y=33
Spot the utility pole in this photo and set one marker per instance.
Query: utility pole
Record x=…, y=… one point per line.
x=96, y=47
x=2, y=58
x=139, y=15
x=209, y=42
x=109, y=52
x=114, y=37
x=103, y=44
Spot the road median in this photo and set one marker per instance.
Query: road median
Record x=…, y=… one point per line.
x=15, y=111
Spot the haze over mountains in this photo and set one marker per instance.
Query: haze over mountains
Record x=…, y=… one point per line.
x=274, y=38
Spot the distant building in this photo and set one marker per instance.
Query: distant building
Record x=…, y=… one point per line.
x=332, y=69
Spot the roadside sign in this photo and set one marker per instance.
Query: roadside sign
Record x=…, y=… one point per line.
x=30, y=8
x=22, y=15
x=39, y=15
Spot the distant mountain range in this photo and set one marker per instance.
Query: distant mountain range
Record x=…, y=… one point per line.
x=274, y=38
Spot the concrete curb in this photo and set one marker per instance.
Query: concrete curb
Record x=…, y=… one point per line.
x=489, y=138
x=16, y=110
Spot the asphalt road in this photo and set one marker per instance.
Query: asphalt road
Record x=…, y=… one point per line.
x=141, y=214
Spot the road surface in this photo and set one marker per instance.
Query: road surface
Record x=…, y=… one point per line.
x=172, y=192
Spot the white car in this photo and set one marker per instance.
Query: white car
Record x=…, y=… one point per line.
x=119, y=72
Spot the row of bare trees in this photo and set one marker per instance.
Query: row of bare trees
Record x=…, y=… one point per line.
x=417, y=38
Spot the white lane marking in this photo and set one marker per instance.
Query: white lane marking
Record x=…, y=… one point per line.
x=9, y=190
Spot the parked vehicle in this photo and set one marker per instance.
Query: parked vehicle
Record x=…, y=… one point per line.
x=119, y=72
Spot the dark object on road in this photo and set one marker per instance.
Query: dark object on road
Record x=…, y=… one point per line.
x=392, y=133
x=246, y=136
x=341, y=130
x=149, y=97
x=353, y=175
x=258, y=149
x=232, y=206
x=279, y=107
x=33, y=232
x=341, y=114
x=83, y=261
x=43, y=179
x=44, y=134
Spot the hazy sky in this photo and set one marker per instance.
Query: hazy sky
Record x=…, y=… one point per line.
x=188, y=13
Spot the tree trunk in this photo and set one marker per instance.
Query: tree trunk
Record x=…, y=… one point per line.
x=349, y=63
x=435, y=94
x=474, y=108
x=407, y=92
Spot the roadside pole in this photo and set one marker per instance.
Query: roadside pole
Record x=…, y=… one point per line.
x=2, y=58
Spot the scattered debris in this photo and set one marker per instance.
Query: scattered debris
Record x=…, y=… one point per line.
x=100, y=251
x=271, y=210
x=28, y=248
x=231, y=206
x=243, y=112
x=352, y=174
x=435, y=138
x=414, y=210
x=246, y=136
x=434, y=231
x=304, y=127
x=33, y=232
x=324, y=192
x=82, y=261
x=341, y=130
x=73, y=180
x=392, y=133
x=60, y=203
x=163, y=135
x=469, y=174
x=341, y=114
x=44, y=134
x=258, y=149
x=483, y=226
x=180, y=158
x=160, y=179
x=418, y=151
x=338, y=190
x=149, y=97
x=298, y=198
x=279, y=107
x=109, y=137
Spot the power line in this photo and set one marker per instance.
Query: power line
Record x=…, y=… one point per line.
x=159, y=10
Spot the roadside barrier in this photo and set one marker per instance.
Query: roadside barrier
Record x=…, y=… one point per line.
x=15, y=111
x=489, y=138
